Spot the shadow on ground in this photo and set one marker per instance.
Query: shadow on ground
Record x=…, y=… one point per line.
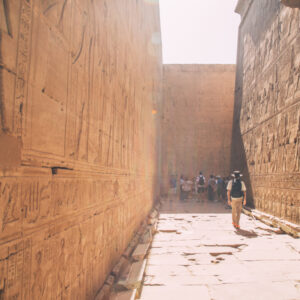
x=192, y=206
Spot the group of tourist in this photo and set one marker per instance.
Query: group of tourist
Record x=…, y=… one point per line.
x=219, y=189
x=214, y=187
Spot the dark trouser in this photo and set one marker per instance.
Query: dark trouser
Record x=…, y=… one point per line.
x=181, y=194
x=210, y=193
x=201, y=189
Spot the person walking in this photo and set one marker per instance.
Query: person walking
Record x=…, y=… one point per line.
x=236, y=192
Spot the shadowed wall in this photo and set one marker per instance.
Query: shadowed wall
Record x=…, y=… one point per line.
x=78, y=157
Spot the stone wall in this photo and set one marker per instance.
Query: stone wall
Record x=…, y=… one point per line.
x=79, y=82
x=197, y=120
x=267, y=106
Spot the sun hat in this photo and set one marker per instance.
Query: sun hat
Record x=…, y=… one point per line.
x=236, y=174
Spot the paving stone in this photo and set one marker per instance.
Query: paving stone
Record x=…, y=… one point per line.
x=254, y=291
x=140, y=251
x=175, y=293
x=227, y=262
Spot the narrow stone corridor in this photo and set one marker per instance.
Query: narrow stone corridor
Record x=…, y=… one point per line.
x=197, y=254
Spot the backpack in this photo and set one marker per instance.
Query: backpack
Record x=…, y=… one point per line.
x=236, y=190
x=201, y=180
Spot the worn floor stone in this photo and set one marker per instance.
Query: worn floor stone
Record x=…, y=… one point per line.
x=209, y=259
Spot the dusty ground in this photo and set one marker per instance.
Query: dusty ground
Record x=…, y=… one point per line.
x=197, y=254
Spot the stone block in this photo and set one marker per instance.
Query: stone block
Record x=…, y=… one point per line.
x=110, y=280
x=103, y=293
x=154, y=214
x=132, y=278
x=131, y=246
x=140, y=251
x=125, y=295
x=118, y=268
x=291, y=3
x=147, y=236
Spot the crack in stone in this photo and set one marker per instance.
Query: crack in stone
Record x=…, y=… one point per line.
x=236, y=246
x=220, y=253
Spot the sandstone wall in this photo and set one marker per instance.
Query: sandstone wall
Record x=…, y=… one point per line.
x=79, y=80
x=197, y=120
x=267, y=106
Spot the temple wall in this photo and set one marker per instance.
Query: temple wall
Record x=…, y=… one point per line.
x=197, y=120
x=267, y=106
x=79, y=80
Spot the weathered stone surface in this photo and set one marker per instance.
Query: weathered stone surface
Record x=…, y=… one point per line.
x=147, y=236
x=266, y=135
x=103, y=293
x=284, y=226
x=140, y=251
x=78, y=83
x=110, y=280
x=197, y=120
x=291, y=3
x=249, y=263
x=132, y=278
x=118, y=268
x=126, y=295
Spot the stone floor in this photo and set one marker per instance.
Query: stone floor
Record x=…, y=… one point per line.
x=197, y=254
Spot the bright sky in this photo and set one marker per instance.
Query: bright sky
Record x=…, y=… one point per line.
x=199, y=31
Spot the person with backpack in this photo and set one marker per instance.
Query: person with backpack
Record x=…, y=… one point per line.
x=200, y=185
x=236, y=192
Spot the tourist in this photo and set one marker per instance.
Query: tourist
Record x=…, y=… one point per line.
x=173, y=184
x=181, y=182
x=220, y=187
x=187, y=188
x=236, y=193
x=200, y=185
x=211, y=188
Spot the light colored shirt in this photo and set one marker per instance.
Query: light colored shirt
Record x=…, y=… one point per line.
x=229, y=186
x=187, y=186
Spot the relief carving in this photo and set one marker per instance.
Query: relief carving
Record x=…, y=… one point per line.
x=5, y=18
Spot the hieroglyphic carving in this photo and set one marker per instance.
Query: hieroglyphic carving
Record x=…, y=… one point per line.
x=80, y=81
x=270, y=113
x=5, y=24
x=22, y=66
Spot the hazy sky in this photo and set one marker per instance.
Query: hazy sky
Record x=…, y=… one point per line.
x=199, y=31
